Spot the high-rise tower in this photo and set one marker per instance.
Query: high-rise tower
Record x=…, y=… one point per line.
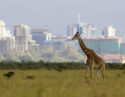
x=21, y=33
x=79, y=28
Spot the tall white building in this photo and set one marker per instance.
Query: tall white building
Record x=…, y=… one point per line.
x=48, y=34
x=109, y=31
x=3, y=31
x=7, y=40
x=22, y=36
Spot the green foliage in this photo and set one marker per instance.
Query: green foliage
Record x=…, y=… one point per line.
x=59, y=66
x=25, y=58
x=71, y=54
x=2, y=57
x=45, y=53
x=40, y=65
x=114, y=66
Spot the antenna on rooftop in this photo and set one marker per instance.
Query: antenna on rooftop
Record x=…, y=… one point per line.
x=79, y=29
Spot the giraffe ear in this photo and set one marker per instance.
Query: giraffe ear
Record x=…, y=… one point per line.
x=79, y=33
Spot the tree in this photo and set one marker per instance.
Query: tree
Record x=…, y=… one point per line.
x=12, y=55
x=72, y=54
x=2, y=57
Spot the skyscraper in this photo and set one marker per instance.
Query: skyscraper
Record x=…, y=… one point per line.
x=7, y=40
x=21, y=33
x=3, y=31
x=79, y=26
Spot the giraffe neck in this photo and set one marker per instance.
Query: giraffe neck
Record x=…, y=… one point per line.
x=83, y=46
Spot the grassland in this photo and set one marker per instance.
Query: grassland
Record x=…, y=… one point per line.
x=68, y=83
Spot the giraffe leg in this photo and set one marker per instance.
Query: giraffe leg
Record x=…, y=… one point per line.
x=91, y=71
x=103, y=71
x=86, y=74
x=98, y=73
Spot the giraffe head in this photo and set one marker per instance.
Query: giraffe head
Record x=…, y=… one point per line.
x=76, y=36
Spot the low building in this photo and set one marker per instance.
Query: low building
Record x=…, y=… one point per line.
x=104, y=45
x=61, y=42
x=114, y=58
x=58, y=42
x=122, y=48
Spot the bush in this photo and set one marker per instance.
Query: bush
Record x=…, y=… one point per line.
x=52, y=65
x=114, y=66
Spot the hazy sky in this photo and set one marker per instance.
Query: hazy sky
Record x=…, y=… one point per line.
x=59, y=13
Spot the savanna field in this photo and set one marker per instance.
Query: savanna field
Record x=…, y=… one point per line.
x=67, y=83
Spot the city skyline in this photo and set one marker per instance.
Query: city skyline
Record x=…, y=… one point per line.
x=53, y=13
x=23, y=42
x=11, y=31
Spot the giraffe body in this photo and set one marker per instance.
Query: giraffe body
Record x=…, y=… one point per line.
x=92, y=58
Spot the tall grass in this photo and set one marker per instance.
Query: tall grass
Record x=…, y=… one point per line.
x=68, y=83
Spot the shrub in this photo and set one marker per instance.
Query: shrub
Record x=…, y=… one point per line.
x=52, y=65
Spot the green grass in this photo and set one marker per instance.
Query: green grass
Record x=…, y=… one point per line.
x=68, y=83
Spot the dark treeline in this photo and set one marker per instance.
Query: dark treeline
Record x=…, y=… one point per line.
x=52, y=65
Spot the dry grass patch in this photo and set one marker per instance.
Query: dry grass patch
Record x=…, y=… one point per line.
x=69, y=83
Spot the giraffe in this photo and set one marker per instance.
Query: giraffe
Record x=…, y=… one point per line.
x=92, y=58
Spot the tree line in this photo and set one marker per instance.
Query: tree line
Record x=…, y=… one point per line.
x=52, y=65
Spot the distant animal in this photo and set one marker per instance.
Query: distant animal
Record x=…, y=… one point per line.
x=12, y=73
x=30, y=77
x=92, y=58
x=8, y=75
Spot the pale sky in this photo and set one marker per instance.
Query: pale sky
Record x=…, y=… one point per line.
x=59, y=13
